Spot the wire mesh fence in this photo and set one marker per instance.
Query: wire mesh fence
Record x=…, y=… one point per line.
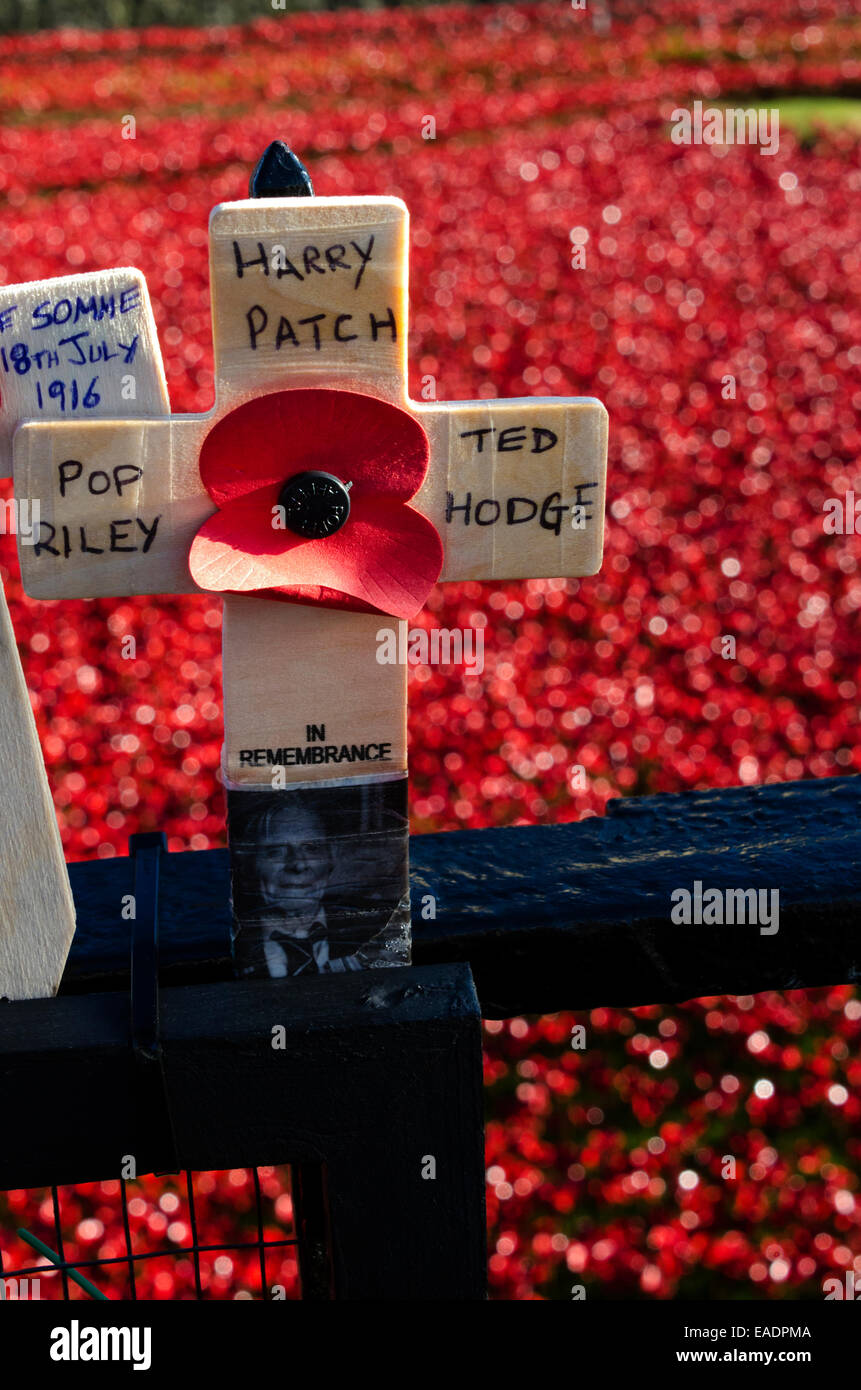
x=191, y=1235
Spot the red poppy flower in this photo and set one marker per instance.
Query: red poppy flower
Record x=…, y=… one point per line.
x=340, y=466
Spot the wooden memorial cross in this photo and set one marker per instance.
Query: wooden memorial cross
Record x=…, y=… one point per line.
x=37, y=914
x=323, y=504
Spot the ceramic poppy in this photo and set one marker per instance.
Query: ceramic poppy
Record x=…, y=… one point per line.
x=311, y=487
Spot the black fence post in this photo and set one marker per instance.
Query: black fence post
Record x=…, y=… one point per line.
x=370, y=1083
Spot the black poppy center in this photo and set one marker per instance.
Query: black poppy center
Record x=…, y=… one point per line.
x=315, y=504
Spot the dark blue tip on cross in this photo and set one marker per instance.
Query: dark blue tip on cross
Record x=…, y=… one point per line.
x=280, y=174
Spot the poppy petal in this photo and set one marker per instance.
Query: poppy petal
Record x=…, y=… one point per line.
x=387, y=557
x=236, y=550
x=379, y=448
x=317, y=596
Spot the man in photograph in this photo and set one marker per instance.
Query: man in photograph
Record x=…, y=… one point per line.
x=294, y=875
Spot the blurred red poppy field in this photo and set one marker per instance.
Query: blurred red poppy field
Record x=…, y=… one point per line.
x=561, y=244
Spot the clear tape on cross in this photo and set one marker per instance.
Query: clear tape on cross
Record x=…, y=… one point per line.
x=320, y=878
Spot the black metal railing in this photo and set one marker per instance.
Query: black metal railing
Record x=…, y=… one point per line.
x=356, y=1079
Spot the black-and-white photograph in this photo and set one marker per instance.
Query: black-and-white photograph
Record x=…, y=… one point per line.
x=319, y=878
